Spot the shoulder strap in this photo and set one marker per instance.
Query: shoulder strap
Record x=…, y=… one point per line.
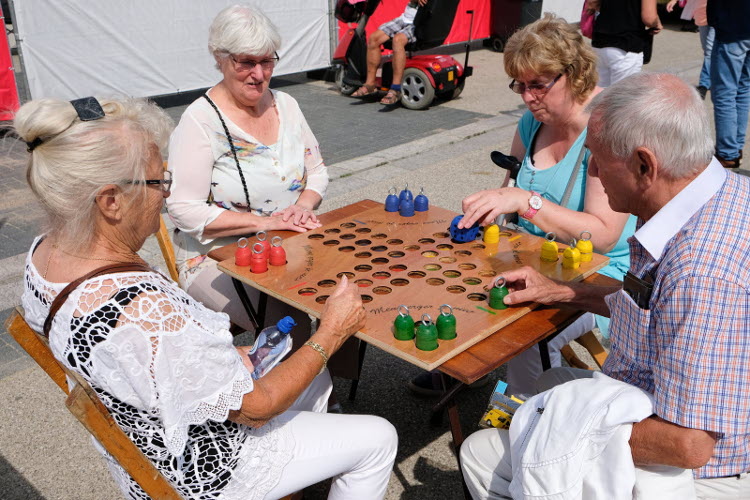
x=573, y=177
x=122, y=267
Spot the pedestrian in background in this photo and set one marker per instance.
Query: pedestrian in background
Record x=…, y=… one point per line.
x=696, y=10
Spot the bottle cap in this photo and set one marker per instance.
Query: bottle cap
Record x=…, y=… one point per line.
x=286, y=324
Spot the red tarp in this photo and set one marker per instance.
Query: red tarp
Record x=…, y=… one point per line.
x=390, y=9
x=8, y=92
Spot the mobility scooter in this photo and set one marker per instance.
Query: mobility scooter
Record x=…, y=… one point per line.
x=425, y=76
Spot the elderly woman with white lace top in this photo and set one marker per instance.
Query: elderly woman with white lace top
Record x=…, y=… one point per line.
x=162, y=363
x=244, y=159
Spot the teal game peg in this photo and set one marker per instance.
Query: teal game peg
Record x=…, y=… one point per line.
x=403, y=325
x=498, y=293
x=427, y=334
x=421, y=203
x=391, y=201
x=446, y=323
x=405, y=194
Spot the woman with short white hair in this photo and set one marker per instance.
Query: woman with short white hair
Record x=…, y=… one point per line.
x=162, y=363
x=244, y=160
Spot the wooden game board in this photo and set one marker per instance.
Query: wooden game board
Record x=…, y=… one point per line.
x=406, y=260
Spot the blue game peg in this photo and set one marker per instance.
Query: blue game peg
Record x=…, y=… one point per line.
x=406, y=194
x=421, y=203
x=391, y=201
x=463, y=235
x=406, y=208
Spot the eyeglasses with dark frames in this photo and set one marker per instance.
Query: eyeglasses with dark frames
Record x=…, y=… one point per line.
x=165, y=183
x=242, y=66
x=536, y=89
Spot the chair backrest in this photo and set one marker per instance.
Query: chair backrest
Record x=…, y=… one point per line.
x=85, y=405
x=167, y=250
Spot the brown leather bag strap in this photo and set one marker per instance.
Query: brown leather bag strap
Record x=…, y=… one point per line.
x=122, y=267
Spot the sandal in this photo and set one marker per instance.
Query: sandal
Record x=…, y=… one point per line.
x=391, y=98
x=365, y=90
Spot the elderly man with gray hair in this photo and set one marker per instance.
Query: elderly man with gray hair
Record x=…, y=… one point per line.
x=680, y=323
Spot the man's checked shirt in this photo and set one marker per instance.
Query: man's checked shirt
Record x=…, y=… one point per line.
x=691, y=348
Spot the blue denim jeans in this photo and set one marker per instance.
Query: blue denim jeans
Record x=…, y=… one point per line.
x=730, y=93
x=707, y=43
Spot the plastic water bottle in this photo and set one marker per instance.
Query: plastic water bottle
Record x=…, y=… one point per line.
x=272, y=344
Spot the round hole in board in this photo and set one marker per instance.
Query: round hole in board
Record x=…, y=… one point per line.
x=379, y=236
x=363, y=230
x=346, y=249
x=362, y=268
x=348, y=225
x=363, y=283
x=332, y=231
x=411, y=248
x=435, y=281
x=452, y=273
x=362, y=242
x=477, y=297
x=396, y=254
x=322, y=299
x=363, y=255
x=326, y=283
x=307, y=291
x=441, y=235
x=456, y=289
x=433, y=267
x=416, y=274
x=399, y=282
x=467, y=266
x=366, y=298
x=315, y=237
x=426, y=241
x=397, y=267
x=331, y=243
x=462, y=253
x=447, y=260
x=381, y=275
x=487, y=273
x=382, y=290
x=429, y=253
x=444, y=246
x=380, y=260
x=379, y=248
x=345, y=273
x=477, y=245
x=472, y=281
x=395, y=241
x=348, y=236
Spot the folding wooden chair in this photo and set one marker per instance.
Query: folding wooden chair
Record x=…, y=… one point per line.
x=167, y=249
x=592, y=345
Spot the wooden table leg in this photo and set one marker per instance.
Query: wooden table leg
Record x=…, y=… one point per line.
x=448, y=401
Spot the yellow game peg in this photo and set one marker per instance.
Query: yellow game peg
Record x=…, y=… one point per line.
x=491, y=234
x=549, y=249
x=571, y=256
x=585, y=246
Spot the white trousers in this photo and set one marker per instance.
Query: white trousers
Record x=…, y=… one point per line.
x=524, y=369
x=615, y=64
x=358, y=451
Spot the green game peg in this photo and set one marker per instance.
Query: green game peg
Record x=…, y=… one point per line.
x=446, y=323
x=403, y=325
x=497, y=294
x=427, y=334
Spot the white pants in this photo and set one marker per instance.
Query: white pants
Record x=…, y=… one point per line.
x=358, y=451
x=615, y=64
x=524, y=369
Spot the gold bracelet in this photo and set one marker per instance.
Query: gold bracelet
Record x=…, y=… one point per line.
x=317, y=347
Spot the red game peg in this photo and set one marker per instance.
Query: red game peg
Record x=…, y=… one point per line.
x=262, y=239
x=243, y=253
x=259, y=260
x=277, y=254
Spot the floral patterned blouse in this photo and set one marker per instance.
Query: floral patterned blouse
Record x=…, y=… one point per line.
x=206, y=181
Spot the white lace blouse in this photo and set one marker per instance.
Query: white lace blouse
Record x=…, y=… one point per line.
x=165, y=367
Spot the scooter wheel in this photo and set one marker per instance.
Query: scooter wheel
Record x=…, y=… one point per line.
x=498, y=44
x=344, y=88
x=417, y=91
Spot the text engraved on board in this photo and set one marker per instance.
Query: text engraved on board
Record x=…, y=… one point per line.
x=309, y=262
x=413, y=307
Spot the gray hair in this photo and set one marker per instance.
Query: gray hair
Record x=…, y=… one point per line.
x=75, y=158
x=658, y=111
x=241, y=29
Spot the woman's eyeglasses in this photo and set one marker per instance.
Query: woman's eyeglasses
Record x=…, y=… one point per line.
x=246, y=65
x=536, y=89
x=165, y=183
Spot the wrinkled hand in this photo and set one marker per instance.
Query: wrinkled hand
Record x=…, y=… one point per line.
x=485, y=206
x=297, y=214
x=670, y=5
x=422, y=3
x=343, y=315
x=277, y=222
x=529, y=285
